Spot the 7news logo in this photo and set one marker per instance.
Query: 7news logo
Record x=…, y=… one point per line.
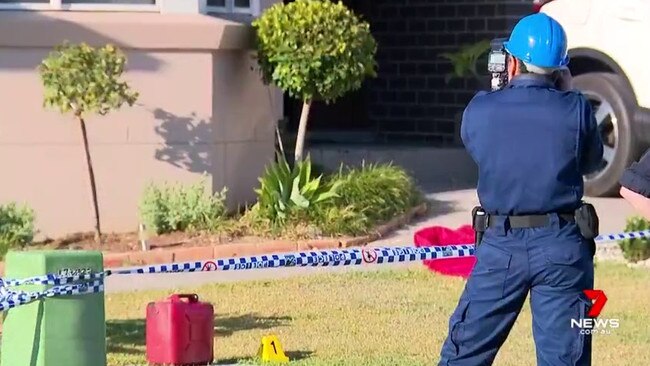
x=592, y=324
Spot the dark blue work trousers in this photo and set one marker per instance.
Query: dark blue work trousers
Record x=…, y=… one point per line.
x=554, y=264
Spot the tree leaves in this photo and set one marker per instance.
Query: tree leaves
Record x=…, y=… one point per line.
x=314, y=49
x=81, y=79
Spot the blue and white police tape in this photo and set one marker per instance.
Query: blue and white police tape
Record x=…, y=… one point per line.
x=93, y=282
x=11, y=299
x=53, y=279
x=344, y=257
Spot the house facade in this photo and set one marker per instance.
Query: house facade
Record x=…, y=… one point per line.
x=203, y=108
x=195, y=116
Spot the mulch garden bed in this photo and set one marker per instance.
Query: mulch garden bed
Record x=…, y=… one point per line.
x=127, y=242
x=130, y=242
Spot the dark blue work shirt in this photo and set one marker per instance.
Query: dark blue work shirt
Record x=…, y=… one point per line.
x=636, y=178
x=532, y=144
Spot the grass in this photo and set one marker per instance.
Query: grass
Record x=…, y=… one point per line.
x=372, y=318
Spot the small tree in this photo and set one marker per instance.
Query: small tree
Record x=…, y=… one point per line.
x=314, y=50
x=82, y=80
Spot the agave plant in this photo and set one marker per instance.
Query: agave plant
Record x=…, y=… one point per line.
x=284, y=189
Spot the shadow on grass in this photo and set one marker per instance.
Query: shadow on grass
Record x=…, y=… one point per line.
x=128, y=336
x=125, y=336
x=225, y=325
x=293, y=356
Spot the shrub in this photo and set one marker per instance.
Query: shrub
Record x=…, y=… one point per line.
x=333, y=220
x=168, y=208
x=379, y=191
x=314, y=50
x=284, y=190
x=349, y=202
x=16, y=227
x=636, y=250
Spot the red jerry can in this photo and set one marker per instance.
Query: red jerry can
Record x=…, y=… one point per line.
x=180, y=331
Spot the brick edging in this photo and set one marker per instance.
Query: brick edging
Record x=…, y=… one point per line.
x=162, y=256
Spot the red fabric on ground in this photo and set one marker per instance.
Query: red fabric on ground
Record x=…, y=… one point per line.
x=442, y=236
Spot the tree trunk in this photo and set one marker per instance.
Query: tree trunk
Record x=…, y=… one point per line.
x=302, y=131
x=91, y=175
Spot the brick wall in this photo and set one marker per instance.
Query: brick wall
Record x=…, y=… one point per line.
x=410, y=99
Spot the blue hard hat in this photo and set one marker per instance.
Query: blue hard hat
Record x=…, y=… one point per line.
x=539, y=40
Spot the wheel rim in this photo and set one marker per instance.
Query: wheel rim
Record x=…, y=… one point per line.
x=608, y=126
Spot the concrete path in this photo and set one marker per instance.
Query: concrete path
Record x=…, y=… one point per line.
x=451, y=209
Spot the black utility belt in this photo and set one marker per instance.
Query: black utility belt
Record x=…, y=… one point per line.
x=584, y=216
x=527, y=221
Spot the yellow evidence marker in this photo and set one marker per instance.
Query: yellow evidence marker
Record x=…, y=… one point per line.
x=271, y=350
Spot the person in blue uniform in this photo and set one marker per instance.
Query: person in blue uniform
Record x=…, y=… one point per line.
x=635, y=185
x=532, y=142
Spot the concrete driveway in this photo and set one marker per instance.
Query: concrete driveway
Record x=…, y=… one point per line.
x=451, y=209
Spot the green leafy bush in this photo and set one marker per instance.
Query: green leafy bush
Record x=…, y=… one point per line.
x=81, y=79
x=314, y=50
x=635, y=250
x=379, y=191
x=333, y=220
x=168, y=208
x=16, y=227
x=295, y=203
x=284, y=190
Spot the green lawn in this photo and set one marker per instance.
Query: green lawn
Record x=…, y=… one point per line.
x=379, y=318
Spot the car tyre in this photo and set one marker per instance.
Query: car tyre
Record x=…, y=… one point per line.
x=611, y=93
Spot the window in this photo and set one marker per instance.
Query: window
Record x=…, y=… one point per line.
x=234, y=6
x=108, y=5
x=126, y=2
x=221, y=6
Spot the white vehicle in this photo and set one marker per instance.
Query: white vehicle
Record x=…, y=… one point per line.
x=610, y=65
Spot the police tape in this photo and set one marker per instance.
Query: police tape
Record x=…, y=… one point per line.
x=93, y=282
x=11, y=299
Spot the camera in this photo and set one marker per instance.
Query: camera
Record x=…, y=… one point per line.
x=498, y=63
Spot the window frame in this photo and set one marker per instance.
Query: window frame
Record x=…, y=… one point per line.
x=230, y=8
x=253, y=9
x=59, y=5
